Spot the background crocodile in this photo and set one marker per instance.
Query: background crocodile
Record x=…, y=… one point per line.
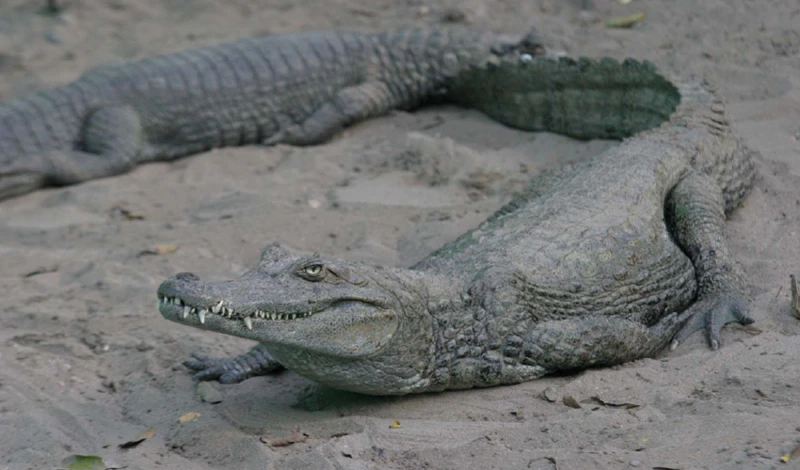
x=297, y=88
x=587, y=267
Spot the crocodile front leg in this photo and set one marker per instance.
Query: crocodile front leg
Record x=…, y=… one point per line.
x=236, y=369
x=695, y=214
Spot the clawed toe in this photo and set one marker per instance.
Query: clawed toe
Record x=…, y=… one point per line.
x=232, y=370
x=711, y=315
x=207, y=369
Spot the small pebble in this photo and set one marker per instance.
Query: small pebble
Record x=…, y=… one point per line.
x=635, y=463
x=53, y=37
x=207, y=393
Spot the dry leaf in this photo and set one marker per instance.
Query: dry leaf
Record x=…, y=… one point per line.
x=395, y=424
x=794, y=454
x=119, y=211
x=86, y=462
x=165, y=249
x=188, y=417
x=138, y=439
x=161, y=249
x=614, y=403
x=295, y=437
x=624, y=21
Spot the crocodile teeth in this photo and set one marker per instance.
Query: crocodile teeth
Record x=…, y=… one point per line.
x=217, y=308
x=292, y=317
x=248, y=322
x=176, y=301
x=202, y=315
x=186, y=310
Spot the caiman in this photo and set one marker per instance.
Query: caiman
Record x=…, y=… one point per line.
x=611, y=261
x=293, y=88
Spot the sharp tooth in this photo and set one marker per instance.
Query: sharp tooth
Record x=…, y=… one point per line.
x=202, y=315
x=271, y=316
x=292, y=317
x=176, y=301
x=217, y=307
x=248, y=322
x=186, y=310
x=193, y=310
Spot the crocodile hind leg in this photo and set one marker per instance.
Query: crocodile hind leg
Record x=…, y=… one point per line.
x=349, y=105
x=594, y=340
x=111, y=141
x=233, y=370
x=695, y=214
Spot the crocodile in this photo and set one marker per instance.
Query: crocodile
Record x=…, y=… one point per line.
x=294, y=88
x=618, y=258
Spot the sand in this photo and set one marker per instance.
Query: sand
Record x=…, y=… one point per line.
x=87, y=363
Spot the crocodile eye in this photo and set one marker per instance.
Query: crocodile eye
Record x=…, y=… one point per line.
x=313, y=269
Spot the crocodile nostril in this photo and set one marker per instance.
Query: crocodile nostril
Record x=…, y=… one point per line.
x=186, y=277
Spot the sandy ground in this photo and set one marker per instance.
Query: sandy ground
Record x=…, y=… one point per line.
x=87, y=363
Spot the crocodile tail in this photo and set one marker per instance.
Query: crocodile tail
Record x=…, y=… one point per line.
x=584, y=98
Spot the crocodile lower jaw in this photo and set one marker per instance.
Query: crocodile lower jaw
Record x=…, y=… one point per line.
x=201, y=313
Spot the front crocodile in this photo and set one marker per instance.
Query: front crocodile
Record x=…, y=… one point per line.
x=295, y=88
x=587, y=267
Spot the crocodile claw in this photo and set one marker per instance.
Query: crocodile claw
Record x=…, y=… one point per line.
x=235, y=369
x=712, y=314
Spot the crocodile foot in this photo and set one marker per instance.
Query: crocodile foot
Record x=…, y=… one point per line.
x=711, y=314
x=17, y=180
x=234, y=369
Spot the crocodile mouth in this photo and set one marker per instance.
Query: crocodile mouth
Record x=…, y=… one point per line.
x=185, y=311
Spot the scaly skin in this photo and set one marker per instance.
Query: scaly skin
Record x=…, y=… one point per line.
x=292, y=88
x=588, y=267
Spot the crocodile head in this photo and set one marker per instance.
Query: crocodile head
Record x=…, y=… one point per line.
x=333, y=321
